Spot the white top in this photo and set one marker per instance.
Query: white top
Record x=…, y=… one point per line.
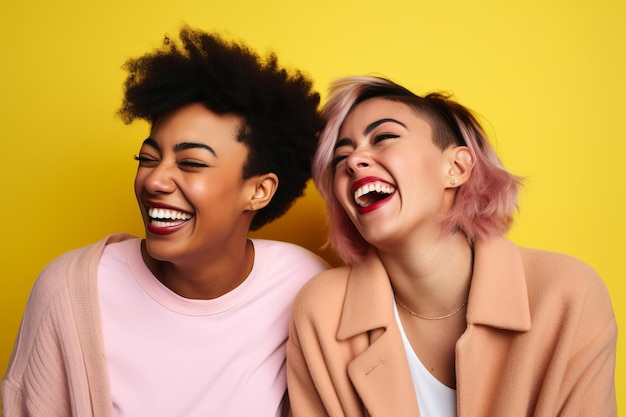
x=170, y=356
x=434, y=398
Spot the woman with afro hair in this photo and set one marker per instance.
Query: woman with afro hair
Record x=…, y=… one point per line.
x=191, y=320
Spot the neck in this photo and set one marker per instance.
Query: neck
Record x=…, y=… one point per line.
x=204, y=277
x=432, y=279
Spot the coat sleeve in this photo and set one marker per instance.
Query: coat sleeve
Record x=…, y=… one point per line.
x=589, y=384
x=573, y=337
x=304, y=398
x=317, y=362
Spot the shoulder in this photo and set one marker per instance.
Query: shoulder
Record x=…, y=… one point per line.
x=327, y=289
x=561, y=270
x=69, y=267
x=275, y=251
x=538, y=261
x=278, y=246
x=565, y=282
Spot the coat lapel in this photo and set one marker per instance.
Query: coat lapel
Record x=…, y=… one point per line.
x=499, y=295
x=380, y=374
x=498, y=307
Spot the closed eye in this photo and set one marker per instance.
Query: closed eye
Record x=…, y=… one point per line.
x=384, y=136
x=336, y=160
x=145, y=160
x=193, y=164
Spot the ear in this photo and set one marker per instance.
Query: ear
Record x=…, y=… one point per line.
x=461, y=160
x=263, y=189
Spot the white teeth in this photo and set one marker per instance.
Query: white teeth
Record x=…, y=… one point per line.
x=377, y=187
x=159, y=213
x=161, y=224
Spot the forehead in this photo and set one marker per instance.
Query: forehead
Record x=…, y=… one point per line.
x=196, y=122
x=376, y=109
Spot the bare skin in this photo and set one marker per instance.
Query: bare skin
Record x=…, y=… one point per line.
x=206, y=280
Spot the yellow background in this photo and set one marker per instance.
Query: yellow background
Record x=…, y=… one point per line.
x=546, y=76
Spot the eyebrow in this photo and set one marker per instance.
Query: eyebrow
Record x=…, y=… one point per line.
x=193, y=145
x=377, y=123
x=152, y=143
x=368, y=130
x=179, y=147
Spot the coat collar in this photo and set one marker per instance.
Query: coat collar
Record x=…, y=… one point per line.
x=498, y=295
x=380, y=373
x=368, y=302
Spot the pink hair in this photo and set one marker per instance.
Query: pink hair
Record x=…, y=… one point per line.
x=484, y=205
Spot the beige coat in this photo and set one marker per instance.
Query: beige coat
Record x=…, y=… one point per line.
x=540, y=341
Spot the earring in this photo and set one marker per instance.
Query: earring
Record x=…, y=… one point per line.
x=453, y=181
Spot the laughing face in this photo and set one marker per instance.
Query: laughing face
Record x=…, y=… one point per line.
x=189, y=185
x=389, y=176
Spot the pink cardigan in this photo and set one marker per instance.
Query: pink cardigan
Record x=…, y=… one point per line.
x=540, y=341
x=58, y=330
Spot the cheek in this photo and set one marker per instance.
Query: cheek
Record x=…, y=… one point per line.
x=419, y=167
x=211, y=193
x=138, y=184
x=200, y=192
x=340, y=189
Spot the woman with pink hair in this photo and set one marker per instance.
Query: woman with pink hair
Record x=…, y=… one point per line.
x=436, y=313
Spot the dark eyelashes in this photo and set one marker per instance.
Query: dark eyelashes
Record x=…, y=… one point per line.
x=384, y=136
x=185, y=163
x=193, y=164
x=139, y=158
x=335, y=161
x=376, y=139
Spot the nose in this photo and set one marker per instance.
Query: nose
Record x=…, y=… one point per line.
x=158, y=180
x=358, y=160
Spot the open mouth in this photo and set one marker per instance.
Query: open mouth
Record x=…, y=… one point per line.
x=160, y=217
x=371, y=193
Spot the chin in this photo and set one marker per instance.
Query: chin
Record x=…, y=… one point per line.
x=159, y=250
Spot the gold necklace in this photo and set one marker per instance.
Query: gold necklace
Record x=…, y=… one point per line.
x=431, y=318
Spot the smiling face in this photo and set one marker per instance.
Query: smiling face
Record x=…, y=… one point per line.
x=189, y=185
x=389, y=176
